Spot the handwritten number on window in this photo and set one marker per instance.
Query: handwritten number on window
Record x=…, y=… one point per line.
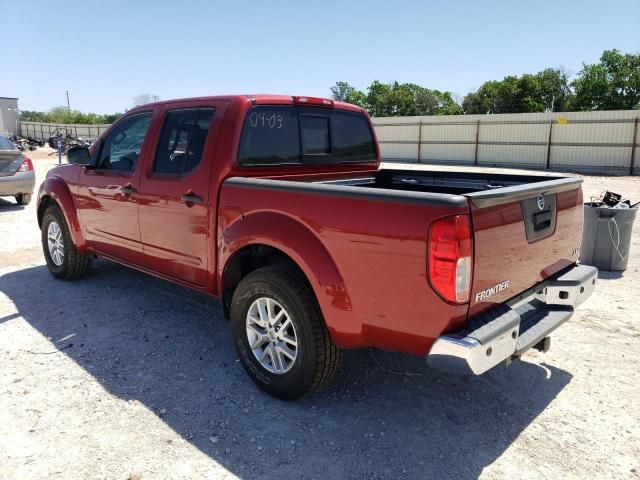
x=266, y=120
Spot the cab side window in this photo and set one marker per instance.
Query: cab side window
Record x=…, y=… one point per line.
x=121, y=149
x=182, y=141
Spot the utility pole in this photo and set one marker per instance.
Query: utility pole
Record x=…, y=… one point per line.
x=68, y=104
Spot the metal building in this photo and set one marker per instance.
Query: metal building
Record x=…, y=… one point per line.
x=9, y=115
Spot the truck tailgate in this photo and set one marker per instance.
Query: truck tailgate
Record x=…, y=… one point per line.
x=522, y=235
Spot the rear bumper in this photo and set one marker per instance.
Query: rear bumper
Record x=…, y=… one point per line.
x=515, y=326
x=20, y=182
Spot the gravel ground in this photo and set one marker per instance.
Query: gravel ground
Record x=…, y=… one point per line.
x=122, y=375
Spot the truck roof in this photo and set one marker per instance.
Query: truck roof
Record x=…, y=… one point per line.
x=258, y=99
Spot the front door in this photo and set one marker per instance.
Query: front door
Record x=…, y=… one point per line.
x=107, y=203
x=174, y=195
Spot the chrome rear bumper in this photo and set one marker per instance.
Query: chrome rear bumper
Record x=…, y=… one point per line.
x=515, y=326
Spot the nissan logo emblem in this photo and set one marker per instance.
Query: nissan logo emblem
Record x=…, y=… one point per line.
x=540, y=202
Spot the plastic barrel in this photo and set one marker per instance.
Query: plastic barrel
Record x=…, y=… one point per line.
x=606, y=237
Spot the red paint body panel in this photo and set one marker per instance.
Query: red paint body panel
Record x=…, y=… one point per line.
x=365, y=254
x=58, y=188
x=366, y=260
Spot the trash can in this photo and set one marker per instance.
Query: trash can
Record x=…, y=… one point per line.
x=606, y=237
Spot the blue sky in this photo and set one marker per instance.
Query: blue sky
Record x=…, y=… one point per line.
x=107, y=52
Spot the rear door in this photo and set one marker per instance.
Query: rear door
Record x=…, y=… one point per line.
x=175, y=223
x=523, y=235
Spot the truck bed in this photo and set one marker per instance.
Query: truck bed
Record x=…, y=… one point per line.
x=481, y=187
x=516, y=239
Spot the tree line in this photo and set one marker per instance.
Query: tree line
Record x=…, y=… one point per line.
x=611, y=84
x=64, y=114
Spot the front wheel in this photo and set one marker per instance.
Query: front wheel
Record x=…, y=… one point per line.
x=63, y=258
x=280, y=335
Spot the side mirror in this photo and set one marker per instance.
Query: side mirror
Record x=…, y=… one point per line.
x=79, y=156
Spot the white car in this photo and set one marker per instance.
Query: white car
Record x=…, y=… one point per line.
x=17, y=178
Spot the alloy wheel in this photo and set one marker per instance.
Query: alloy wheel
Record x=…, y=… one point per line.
x=55, y=243
x=272, y=335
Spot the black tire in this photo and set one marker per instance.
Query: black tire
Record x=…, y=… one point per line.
x=23, y=198
x=318, y=358
x=74, y=265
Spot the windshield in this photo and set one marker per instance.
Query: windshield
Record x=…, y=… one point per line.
x=274, y=135
x=5, y=144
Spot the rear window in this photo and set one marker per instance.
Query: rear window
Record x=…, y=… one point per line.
x=302, y=135
x=6, y=144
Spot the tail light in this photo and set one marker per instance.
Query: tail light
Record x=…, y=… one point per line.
x=451, y=258
x=314, y=101
x=26, y=166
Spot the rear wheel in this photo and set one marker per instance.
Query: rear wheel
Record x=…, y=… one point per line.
x=280, y=335
x=23, y=198
x=63, y=258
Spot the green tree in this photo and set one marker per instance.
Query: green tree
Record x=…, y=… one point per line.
x=62, y=114
x=474, y=103
x=447, y=105
x=547, y=90
x=554, y=90
x=612, y=84
x=379, y=99
x=111, y=117
x=507, y=97
x=484, y=100
x=408, y=99
x=32, y=116
x=343, y=92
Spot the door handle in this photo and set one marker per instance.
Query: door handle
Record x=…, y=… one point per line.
x=191, y=198
x=128, y=190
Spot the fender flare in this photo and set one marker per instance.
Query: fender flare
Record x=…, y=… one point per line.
x=303, y=246
x=57, y=189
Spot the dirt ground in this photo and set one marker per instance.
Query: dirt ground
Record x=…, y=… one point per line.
x=122, y=375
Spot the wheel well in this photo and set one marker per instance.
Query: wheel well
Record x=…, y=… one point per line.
x=245, y=261
x=44, y=204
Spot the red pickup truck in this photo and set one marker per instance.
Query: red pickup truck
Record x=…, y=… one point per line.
x=278, y=206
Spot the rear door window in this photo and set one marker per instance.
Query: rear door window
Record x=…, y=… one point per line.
x=182, y=141
x=303, y=135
